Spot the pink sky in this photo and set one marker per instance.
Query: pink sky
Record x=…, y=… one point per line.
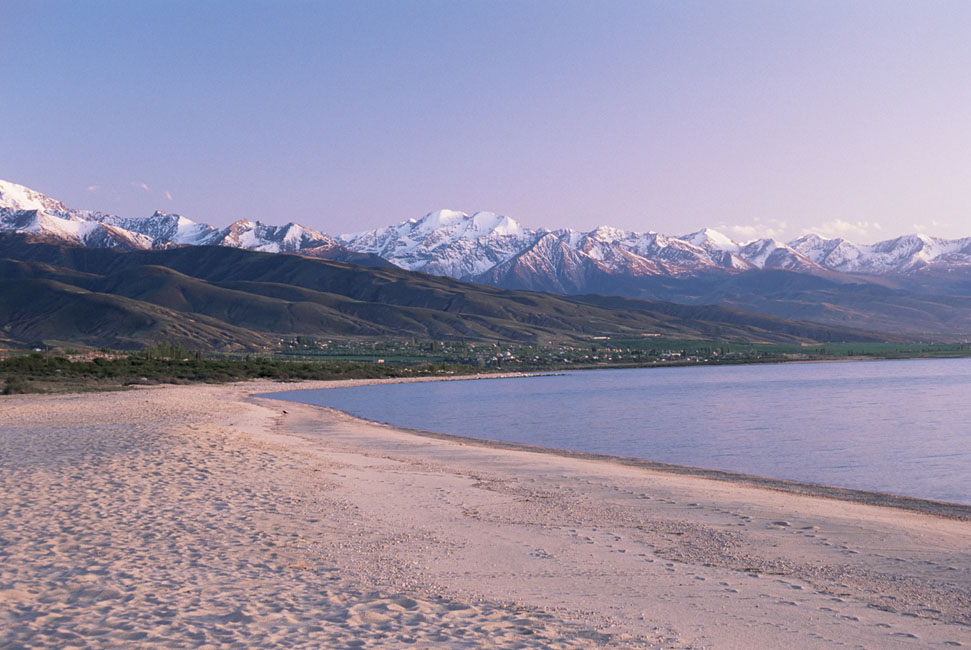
x=755, y=118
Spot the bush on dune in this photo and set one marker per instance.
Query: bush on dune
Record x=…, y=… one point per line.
x=16, y=385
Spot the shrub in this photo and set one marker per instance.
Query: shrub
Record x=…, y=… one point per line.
x=16, y=385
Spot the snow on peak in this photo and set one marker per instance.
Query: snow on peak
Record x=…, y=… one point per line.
x=759, y=250
x=439, y=218
x=490, y=222
x=294, y=232
x=25, y=210
x=18, y=197
x=811, y=238
x=457, y=223
x=608, y=233
x=710, y=239
x=462, y=245
x=445, y=242
x=167, y=217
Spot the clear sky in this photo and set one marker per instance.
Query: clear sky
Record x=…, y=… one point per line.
x=849, y=118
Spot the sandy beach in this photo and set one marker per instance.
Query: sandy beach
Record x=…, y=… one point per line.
x=200, y=516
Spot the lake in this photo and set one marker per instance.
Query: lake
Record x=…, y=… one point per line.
x=902, y=427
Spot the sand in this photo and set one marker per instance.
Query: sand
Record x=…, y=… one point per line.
x=198, y=516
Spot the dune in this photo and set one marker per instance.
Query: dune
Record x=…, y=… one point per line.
x=200, y=516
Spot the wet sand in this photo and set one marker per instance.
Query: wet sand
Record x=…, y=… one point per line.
x=198, y=516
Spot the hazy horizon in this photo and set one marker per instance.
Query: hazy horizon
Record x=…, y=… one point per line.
x=755, y=119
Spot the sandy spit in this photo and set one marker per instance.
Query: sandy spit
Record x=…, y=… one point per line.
x=198, y=516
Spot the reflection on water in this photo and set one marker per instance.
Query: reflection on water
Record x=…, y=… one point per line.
x=893, y=426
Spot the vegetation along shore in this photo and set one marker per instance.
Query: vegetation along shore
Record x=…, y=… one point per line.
x=66, y=369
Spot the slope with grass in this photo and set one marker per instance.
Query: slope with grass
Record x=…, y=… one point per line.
x=225, y=298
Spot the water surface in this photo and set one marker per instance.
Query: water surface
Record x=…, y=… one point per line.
x=902, y=427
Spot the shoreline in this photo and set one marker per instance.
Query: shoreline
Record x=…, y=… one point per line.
x=689, y=541
x=947, y=509
x=199, y=516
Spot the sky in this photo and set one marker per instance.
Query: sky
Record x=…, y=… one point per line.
x=845, y=118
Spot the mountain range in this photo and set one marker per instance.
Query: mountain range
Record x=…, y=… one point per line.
x=488, y=247
x=218, y=297
x=496, y=249
x=23, y=210
x=911, y=284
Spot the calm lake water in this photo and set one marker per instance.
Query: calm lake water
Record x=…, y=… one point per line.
x=894, y=426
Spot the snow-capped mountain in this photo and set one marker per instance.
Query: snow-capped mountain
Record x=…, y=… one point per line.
x=164, y=229
x=487, y=248
x=893, y=256
x=17, y=198
x=549, y=264
x=24, y=210
x=175, y=230
x=446, y=242
x=257, y=236
x=494, y=249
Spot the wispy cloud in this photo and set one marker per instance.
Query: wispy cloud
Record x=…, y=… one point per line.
x=141, y=186
x=742, y=232
x=924, y=227
x=94, y=188
x=841, y=228
x=168, y=195
x=759, y=228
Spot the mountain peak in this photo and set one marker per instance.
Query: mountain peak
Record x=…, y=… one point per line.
x=464, y=246
x=490, y=222
x=478, y=224
x=711, y=240
x=18, y=197
x=607, y=233
x=811, y=239
x=440, y=218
